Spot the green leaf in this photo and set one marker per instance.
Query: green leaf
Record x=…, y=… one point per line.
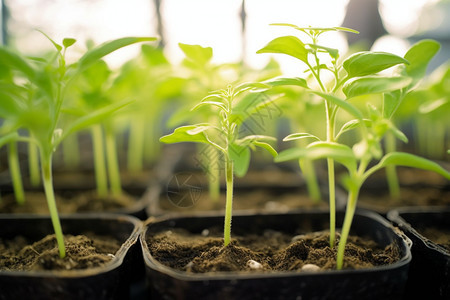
x=8, y=138
x=334, y=53
x=296, y=81
x=432, y=105
x=411, y=160
x=255, y=87
x=188, y=133
x=350, y=125
x=391, y=101
x=57, y=46
x=198, y=54
x=297, y=136
x=289, y=45
x=94, y=117
x=93, y=55
x=368, y=63
x=17, y=62
x=212, y=103
x=351, y=109
x=374, y=85
x=419, y=55
x=319, y=150
x=240, y=155
x=253, y=103
x=266, y=146
x=67, y=42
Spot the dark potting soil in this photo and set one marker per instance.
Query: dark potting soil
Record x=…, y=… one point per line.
x=82, y=252
x=36, y=202
x=272, y=251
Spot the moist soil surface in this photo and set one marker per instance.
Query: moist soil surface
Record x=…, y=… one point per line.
x=82, y=252
x=272, y=251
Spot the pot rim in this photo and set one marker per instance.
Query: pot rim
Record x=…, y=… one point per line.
x=116, y=262
x=181, y=275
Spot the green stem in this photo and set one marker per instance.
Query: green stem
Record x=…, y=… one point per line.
x=113, y=163
x=214, y=175
x=71, y=151
x=391, y=172
x=16, y=176
x=99, y=160
x=46, y=166
x=348, y=219
x=332, y=199
x=152, y=145
x=308, y=171
x=229, y=201
x=33, y=165
x=136, y=144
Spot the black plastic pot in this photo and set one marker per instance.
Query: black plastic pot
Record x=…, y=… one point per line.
x=385, y=282
x=112, y=281
x=429, y=275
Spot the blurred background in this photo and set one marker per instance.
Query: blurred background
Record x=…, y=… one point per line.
x=235, y=29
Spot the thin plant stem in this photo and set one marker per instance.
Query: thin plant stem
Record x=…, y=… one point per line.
x=214, y=175
x=33, y=165
x=46, y=166
x=113, y=163
x=136, y=144
x=14, y=169
x=391, y=170
x=151, y=144
x=348, y=219
x=71, y=151
x=101, y=178
x=229, y=201
x=332, y=197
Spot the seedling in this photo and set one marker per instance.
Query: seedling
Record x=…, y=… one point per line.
x=355, y=76
x=231, y=111
x=40, y=108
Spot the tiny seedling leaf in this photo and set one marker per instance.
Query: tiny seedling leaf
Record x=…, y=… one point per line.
x=319, y=150
x=296, y=81
x=368, y=63
x=411, y=160
x=341, y=104
x=67, y=42
x=266, y=146
x=240, y=154
x=297, y=136
x=188, y=133
x=419, y=55
x=374, y=85
x=93, y=55
x=196, y=53
x=289, y=45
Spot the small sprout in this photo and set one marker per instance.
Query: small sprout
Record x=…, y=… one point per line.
x=254, y=265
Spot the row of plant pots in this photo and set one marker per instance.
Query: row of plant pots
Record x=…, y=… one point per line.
x=421, y=267
x=420, y=270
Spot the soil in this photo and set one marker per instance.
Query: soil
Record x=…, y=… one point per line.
x=417, y=188
x=273, y=250
x=82, y=252
x=437, y=235
x=36, y=202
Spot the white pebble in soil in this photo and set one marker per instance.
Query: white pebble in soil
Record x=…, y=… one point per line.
x=205, y=232
x=254, y=265
x=311, y=268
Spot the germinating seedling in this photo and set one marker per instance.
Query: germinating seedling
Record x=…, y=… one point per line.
x=231, y=110
x=40, y=108
x=355, y=76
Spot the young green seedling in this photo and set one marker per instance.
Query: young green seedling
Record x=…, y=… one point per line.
x=41, y=114
x=231, y=110
x=355, y=76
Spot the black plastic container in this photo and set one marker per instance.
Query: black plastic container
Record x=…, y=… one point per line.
x=385, y=282
x=429, y=275
x=111, y=281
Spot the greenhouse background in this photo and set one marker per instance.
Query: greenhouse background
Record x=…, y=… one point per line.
x=235, y=29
